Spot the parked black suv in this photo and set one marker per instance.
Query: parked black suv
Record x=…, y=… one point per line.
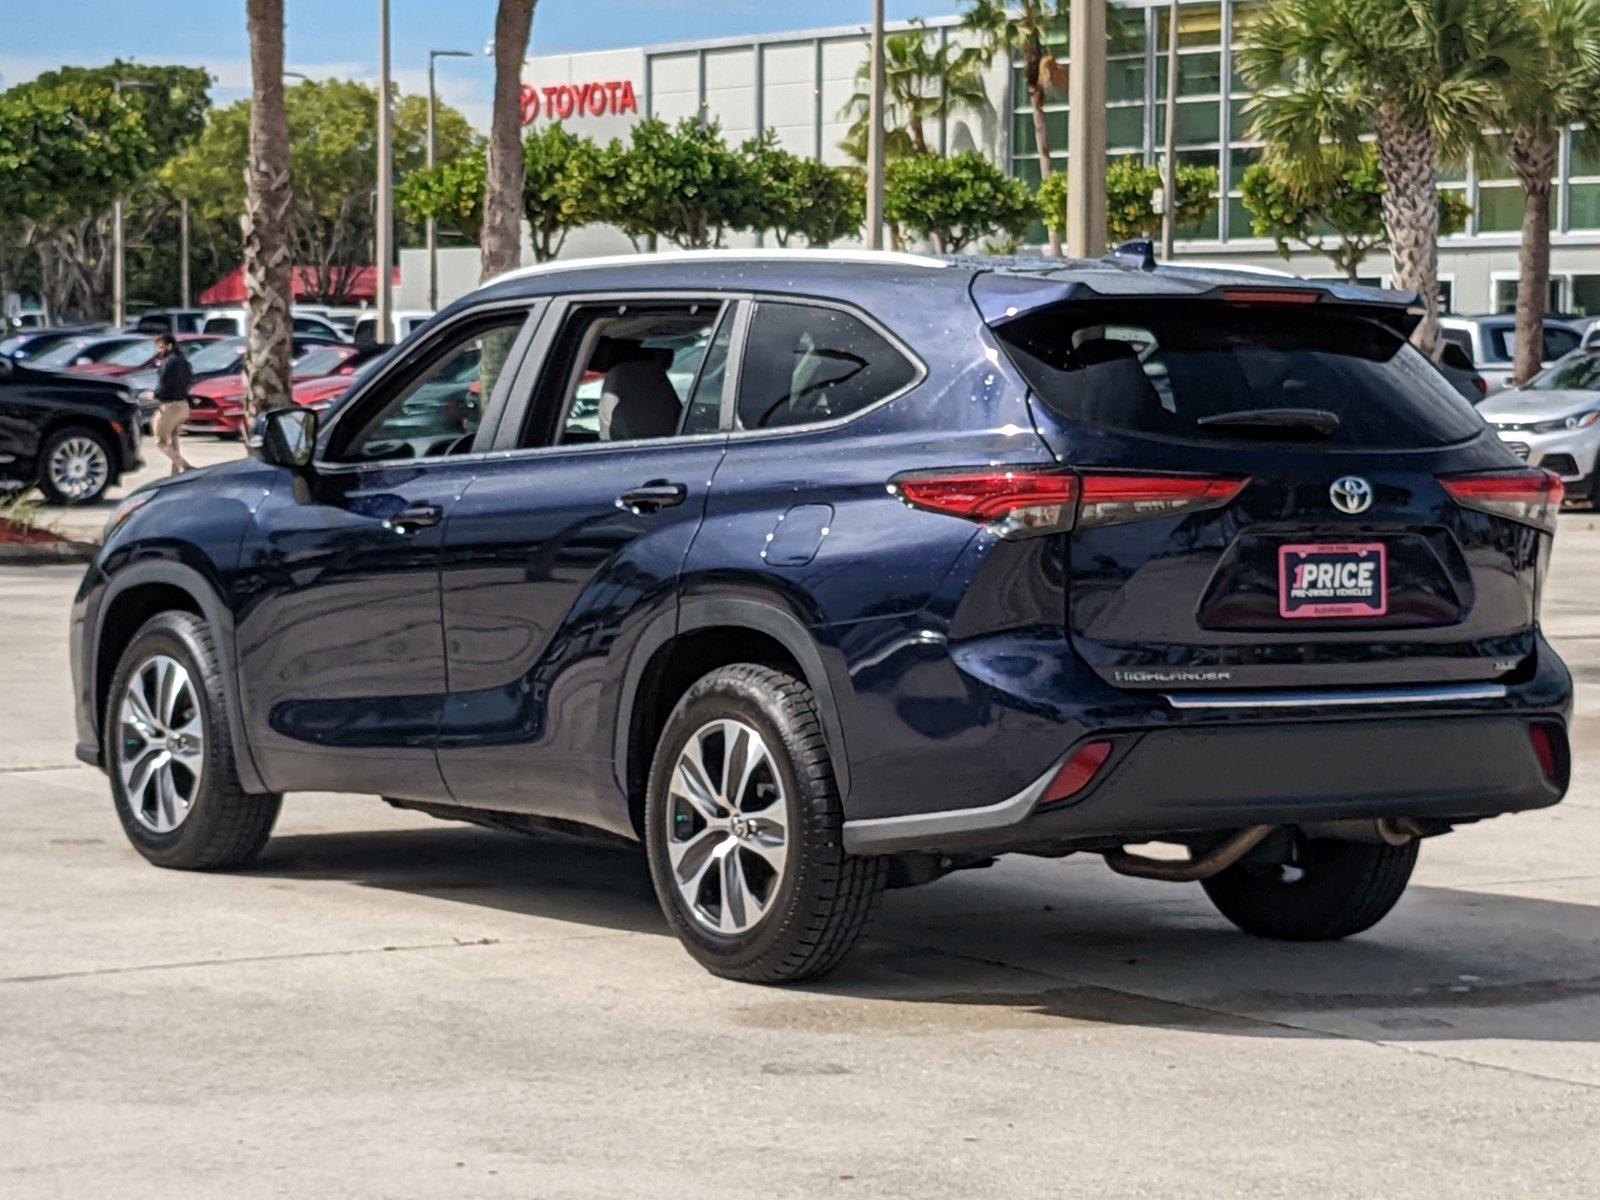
x=74, y=437
x=821, y=572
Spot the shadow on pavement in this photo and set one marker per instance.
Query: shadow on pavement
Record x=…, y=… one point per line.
x=981, y=952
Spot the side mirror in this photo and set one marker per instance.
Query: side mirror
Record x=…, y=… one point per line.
x=286, y=437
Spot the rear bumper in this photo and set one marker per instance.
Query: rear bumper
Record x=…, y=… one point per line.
x=1460, y=754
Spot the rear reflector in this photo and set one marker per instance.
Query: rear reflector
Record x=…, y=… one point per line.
x=1530, y=496
x=1547, y=747
x=1028, y=501
x=1081, y=768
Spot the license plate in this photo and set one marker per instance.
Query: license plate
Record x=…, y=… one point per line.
x=1333, y=579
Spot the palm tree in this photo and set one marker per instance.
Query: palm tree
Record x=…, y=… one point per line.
x=1421, y=74
x=1024, y=34
x=266, y=217
x=1557, y=85
x=923, y=82
x=501, y=243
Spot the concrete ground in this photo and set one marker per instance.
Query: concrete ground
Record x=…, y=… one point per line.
x=391, y=1006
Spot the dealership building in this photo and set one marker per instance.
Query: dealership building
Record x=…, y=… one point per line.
x=800, y=85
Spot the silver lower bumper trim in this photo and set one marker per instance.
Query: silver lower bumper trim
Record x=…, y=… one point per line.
x=1343, y=698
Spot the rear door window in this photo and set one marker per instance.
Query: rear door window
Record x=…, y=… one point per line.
x=805, y=363
x=1173, y=369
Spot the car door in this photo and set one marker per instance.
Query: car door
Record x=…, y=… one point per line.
x=341, y=652
x=569, y=542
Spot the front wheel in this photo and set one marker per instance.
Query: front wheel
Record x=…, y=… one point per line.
x=75, y=466
x=743, y=826
x=1327, y=890
x=169, y=752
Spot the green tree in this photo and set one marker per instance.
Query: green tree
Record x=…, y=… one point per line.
x=954, y=201
x=923, y=82
x=451, y=194
x=1422, y=74
x=1024, y=29
x=681, y=182
x=332, y=146
x=1337, y=212
x=794, y=196
x=1556, y=84
x=1131, y=189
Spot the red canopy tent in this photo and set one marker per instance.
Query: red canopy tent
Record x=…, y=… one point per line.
x=362, y=285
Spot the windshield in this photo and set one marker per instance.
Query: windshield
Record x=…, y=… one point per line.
x=218, y=356
x=62, y=353
x=1577, y=372
x=134, y=354
x=1187, y=369
x=321, y=360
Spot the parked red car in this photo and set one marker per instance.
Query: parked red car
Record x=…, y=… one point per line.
x=139, y=355
x=217, y=405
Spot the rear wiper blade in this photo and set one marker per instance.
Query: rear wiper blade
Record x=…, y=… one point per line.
x=1312, y=420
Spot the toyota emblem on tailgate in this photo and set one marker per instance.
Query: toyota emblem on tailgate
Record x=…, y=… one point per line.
x=1350, y=494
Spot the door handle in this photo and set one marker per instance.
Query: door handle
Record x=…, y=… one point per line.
x=414, y=516
x=653, y=496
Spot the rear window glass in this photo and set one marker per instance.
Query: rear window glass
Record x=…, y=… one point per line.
x=1503, y=343
x=1172, y=369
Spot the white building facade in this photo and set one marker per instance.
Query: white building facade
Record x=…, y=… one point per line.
x=800, y=85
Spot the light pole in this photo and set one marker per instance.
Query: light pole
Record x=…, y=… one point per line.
x=875, y=164
x=1169, y=178
x=433, y=228
x=183, y=252
x=1086, y=130
x=385, y=239
x=119, y=248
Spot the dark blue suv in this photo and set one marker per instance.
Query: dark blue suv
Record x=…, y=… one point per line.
x=823, y=572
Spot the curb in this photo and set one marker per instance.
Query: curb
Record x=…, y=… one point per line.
x=22, y=554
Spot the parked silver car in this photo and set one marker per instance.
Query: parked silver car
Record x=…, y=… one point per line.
x=1554, y=422
x=1491, y=343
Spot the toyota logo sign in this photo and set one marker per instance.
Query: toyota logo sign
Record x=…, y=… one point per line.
x=1350, y=494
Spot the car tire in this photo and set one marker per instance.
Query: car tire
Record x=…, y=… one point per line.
x=787, y=922
x=76, y=465
x=187, y=810
x=1330, y=889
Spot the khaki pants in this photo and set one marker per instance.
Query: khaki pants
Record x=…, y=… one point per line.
x=168, y=428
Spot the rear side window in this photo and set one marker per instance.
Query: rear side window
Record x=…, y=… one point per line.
x=1173, y=369
x=1557, y=342
x=806, y=363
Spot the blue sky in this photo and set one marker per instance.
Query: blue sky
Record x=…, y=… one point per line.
x=338, y=38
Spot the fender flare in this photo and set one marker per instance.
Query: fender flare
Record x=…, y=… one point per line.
x=220, y=621
x=763, y=617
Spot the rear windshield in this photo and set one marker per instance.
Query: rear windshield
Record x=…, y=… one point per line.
x=1162, y=369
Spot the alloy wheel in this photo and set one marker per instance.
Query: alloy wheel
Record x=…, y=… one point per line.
x=727, y=830
x=162, y=739
x=78, y=467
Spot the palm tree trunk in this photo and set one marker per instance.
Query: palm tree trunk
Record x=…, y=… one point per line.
x=1032, y=56
x=1408, y=157
x=502, y=194
x=268, y=195
x=1533, y=157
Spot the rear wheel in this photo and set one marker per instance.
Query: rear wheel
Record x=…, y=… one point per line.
x=1328, y=890
x=744, y=831
x=169, y=752
x=75, y=466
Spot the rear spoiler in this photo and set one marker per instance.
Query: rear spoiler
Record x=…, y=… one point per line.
x=1007, y=294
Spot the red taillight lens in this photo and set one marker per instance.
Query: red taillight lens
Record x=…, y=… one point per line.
x=1081, y=768
x=1027, y=501
x=1532, y=496
x=1482, y=384
x=1548, y=748
x=1269, y=296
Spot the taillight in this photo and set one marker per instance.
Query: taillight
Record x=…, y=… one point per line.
x=1482, y=384
x=1079, y=771
x=1531, y=496
x=1027, y=501
x=1269, y=296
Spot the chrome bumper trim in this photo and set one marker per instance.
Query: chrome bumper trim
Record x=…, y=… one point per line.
x=1441, y=694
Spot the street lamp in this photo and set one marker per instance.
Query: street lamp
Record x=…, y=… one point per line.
x=385, y=214
x=119, y=249
x=875, y=165
x=433, y=228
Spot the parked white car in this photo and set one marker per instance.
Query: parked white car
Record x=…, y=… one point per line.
x=233, y=322
x=406, y=321
x=1554, y=422
x=1491, y=343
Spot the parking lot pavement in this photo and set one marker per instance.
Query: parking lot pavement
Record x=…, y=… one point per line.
x=387, y=1005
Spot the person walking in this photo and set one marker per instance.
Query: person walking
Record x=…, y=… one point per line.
x=173, y=377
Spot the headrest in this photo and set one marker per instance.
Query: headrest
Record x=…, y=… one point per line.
x=637, y=401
